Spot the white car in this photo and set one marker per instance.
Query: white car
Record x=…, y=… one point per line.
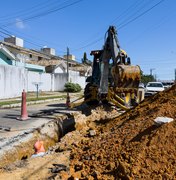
x=153, y=88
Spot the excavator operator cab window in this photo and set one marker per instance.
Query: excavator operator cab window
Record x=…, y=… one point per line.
x=122, y=58
x=128, y=61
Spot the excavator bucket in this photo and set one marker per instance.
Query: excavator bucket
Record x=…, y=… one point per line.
x=126, y=76
x=126, y=81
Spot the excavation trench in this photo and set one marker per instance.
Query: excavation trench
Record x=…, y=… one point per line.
x=22, y=146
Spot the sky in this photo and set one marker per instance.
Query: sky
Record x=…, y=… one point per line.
x=146, y=29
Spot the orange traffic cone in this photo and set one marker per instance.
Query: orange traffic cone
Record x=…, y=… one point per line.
x=68, y=101
x=38, y=146
x=24, y=114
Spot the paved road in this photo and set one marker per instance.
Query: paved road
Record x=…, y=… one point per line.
x=39, y=114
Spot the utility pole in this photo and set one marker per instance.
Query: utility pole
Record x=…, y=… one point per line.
x=68, y=97
x=67, y=64
x=151, y=71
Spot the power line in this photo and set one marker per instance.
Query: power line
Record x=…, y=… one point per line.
x=125, y=12
x=87, y=45
x=99, y=39
x=140, y=15
x=28, y=39
x=2, y=36
x=139, y=7
x=124, y=25
x=40, y=15
x=121, y=16
x=46, y=12
x=24, y=11
x=5, y=33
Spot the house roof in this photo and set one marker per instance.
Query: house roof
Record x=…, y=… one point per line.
x=24, y=50
x=53, y=60
x=5, y=51
x=80, y=67
x=47, y=60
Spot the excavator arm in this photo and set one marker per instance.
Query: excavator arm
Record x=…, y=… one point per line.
x=111, y=50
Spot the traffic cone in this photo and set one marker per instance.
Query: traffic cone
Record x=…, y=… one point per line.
x=39, y=148
x=68, y=101
x=24, y=114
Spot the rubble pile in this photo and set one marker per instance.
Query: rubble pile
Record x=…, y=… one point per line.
x=132, y=145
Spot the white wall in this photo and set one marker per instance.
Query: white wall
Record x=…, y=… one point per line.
x=42, y=79
x=14, y=79
x=61, y=78
x=58, y=70
x=76, y=78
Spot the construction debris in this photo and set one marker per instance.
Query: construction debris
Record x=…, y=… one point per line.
x=162, y=120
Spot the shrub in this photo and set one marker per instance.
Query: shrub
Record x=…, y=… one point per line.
x=72, y=87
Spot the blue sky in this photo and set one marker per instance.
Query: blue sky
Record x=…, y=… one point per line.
x=146, y=29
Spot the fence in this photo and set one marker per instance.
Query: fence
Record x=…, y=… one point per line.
x=14, y=79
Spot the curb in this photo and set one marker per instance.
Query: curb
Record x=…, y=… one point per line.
x=29, y=103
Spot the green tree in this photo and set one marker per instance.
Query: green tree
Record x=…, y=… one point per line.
x=84, y=59
x=146, y=78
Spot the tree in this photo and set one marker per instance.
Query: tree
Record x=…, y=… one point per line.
x=84, y=59
x=146, y=78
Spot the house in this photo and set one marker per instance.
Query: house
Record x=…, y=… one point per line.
x=22, y=68
x=7, y=58
x=23, y=54
x=44, y=57
x=43, y=60
x=59, y=68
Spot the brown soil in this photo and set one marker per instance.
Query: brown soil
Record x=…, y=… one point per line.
x=131, y=146
x=40, y=167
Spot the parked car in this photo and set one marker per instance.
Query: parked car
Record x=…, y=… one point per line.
x=153, y=87
x=167, y=84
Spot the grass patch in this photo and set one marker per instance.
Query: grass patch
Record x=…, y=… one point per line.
x=30, y=99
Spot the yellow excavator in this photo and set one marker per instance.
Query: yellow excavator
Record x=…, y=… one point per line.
x=114, y=80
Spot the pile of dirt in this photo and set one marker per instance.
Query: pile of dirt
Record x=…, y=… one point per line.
x=132, y=145
x=85, y=127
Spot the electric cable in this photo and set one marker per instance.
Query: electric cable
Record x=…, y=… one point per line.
x=24, y=11
x=140, y=15
x=45, y=13
x=123, y=25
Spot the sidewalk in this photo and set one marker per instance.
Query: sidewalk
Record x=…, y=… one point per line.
x=32, y=98
x=40, y=112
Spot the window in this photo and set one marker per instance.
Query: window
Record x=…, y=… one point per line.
x=39, y=58
x=154, y=85
x=30, y=55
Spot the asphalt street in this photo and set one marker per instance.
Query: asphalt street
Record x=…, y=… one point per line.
x=39, y=114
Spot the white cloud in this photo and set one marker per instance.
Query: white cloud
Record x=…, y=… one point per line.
x=20, y=24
